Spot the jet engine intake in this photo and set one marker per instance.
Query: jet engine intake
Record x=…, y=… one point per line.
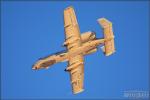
x=88, y=36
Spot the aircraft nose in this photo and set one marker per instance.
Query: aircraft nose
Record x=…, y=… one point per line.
x=35, y=67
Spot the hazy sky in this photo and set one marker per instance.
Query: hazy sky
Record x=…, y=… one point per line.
x=31, y=30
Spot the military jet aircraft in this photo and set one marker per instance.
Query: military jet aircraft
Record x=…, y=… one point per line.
x=77, y=46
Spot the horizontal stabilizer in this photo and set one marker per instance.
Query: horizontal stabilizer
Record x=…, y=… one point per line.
x=108, y=36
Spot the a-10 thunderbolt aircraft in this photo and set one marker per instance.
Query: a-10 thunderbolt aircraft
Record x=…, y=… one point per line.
x=77, y=46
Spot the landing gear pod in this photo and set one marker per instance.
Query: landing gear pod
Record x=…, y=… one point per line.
x=109, y=47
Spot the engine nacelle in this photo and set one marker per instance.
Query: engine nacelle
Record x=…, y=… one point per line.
x=87, y=36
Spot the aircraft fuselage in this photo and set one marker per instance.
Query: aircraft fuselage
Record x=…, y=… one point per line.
x=86, y=48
